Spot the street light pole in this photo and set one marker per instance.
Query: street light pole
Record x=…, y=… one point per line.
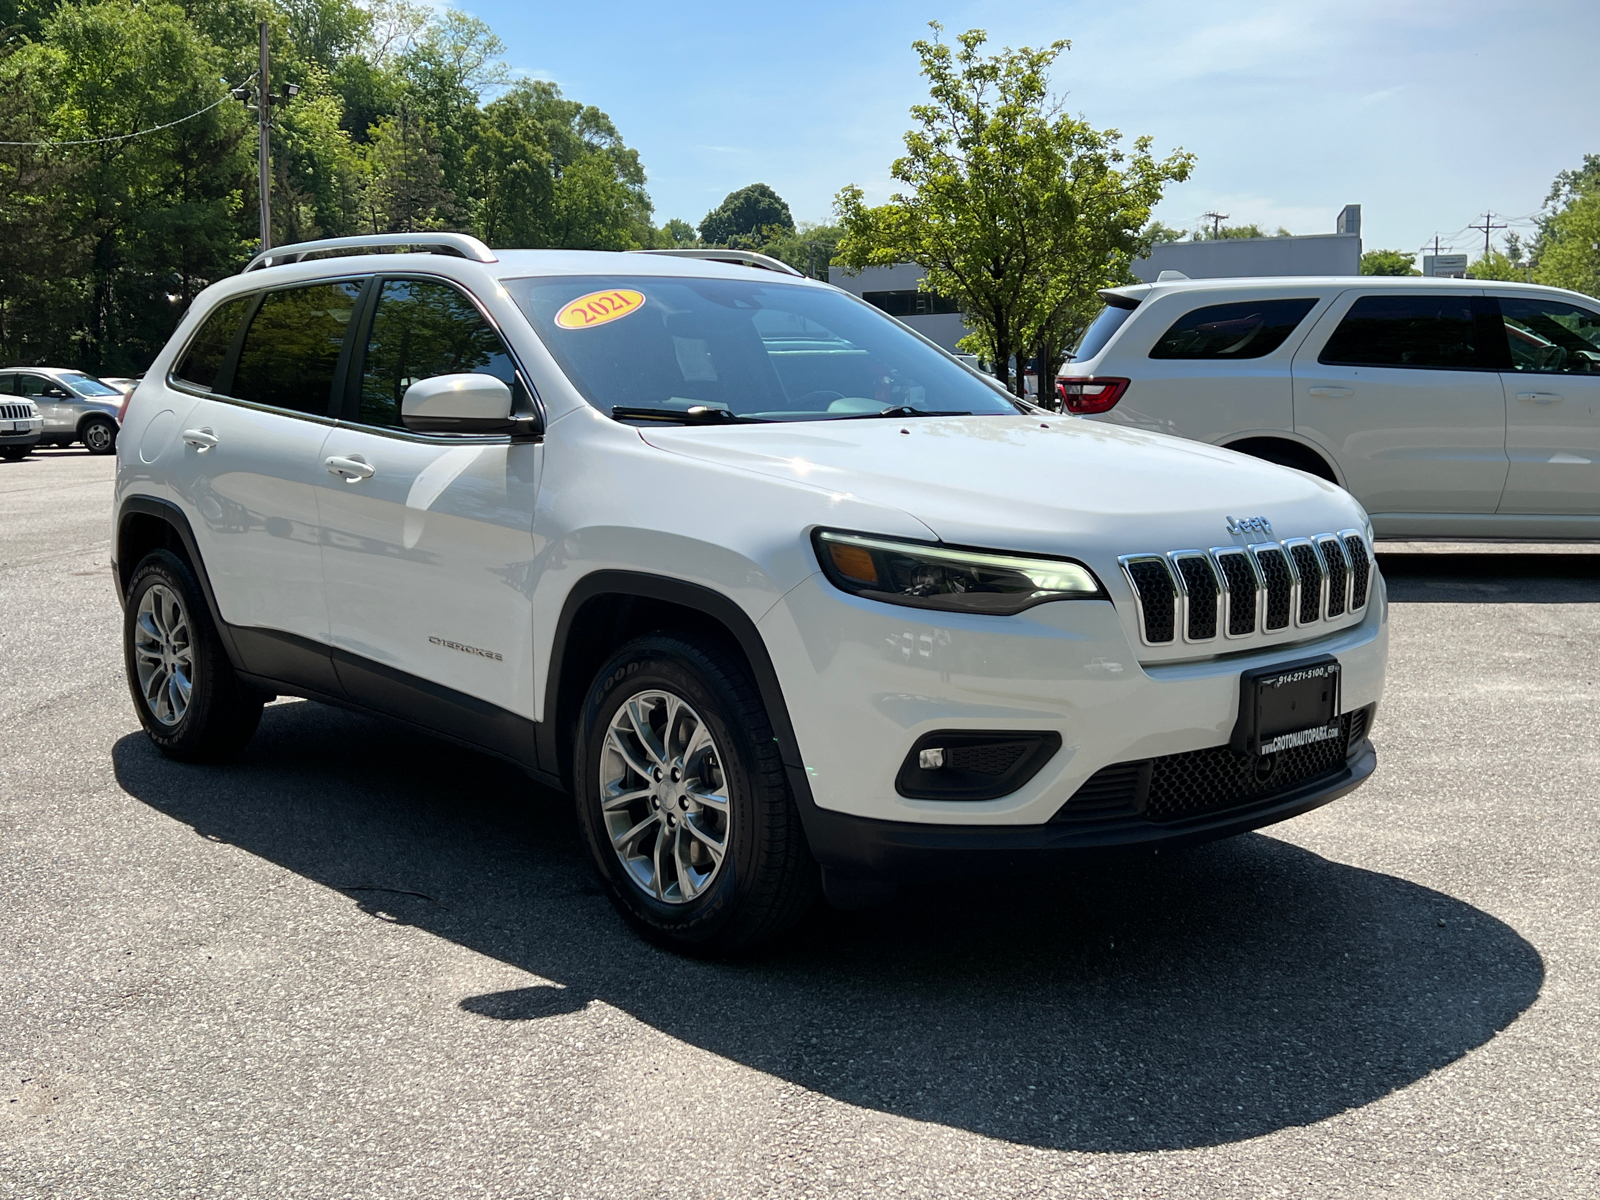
x=264, y=125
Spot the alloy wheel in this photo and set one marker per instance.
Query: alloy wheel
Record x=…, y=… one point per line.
x=664, y=796
x=163, y=654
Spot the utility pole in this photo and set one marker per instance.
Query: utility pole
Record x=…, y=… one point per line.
x=1488, y=224
x=264, y=128
x=1216, y=220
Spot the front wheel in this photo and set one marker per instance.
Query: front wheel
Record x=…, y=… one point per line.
x=190, y=702
x=15, y=453
x=683, y=799
x=99, y=436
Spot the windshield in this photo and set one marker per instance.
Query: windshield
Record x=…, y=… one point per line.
x=87, y=385
x=654, y=348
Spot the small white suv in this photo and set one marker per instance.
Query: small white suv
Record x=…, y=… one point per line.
x=1449, y=408
x=765, y=580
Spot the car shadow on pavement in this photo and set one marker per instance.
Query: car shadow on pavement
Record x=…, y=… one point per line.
x=1489, y=577
x=1176, y=1000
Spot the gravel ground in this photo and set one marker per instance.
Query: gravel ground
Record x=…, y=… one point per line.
x=361, y=964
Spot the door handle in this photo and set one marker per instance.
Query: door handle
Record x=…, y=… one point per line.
x=352, y=470
x=201, y=439
x=1541, y=397
x=1329, y=392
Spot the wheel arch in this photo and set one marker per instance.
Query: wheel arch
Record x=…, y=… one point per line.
x=1294, y=447
x=144, y=524
x=607, y=609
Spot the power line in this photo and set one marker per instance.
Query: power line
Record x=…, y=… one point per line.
x=123, y=137
x=1488, y=224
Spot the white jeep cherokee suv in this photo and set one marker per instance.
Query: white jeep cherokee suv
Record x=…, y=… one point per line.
x=1449, y=408
x=764, y=579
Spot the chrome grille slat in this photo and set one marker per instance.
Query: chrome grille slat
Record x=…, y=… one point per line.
x=1197, y=582
x=1267, y=587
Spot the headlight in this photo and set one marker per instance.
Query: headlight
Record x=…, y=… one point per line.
x=943, y=577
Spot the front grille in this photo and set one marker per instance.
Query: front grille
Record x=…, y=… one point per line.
x=1200, y=781
x=1338, y=574
x=1157, y=596
x=1360, y=569
x=15, y=412
x=1225, y=586
x=1200, y=586
x=1242, y=585
x=1275, y=570
x=1309, y=567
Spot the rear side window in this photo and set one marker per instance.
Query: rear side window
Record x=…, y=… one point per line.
x=1551, y=336
x=1112, y=318
x=203, y=362
x=1436, y=331
x=424, y=328
x=292, y=349
x=1251, y=329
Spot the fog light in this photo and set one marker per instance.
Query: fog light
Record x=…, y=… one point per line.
x=930, y=760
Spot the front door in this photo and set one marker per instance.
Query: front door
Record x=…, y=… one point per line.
x=55, y=405
x=1552, y=406
x=1402, y=394
x=428, y=540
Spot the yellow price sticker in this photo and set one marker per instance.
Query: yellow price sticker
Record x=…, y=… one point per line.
x=599, y=307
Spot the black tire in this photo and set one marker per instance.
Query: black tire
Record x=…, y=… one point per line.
x=98, y=435
x=767, y=878
x=15, y=453
x=221, y=712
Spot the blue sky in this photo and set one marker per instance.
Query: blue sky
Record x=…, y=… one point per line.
x=1426, y=113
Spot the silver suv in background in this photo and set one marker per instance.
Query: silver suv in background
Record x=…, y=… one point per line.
x=20, y=424
x=75, y=407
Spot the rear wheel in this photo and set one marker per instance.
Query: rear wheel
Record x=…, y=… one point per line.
x=190, y=702
x=683, y=799
x=98, y=435
x=1286, y=454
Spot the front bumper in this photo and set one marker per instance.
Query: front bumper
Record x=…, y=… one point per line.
x=26, y=437
x=863, y=681
x=858, y=848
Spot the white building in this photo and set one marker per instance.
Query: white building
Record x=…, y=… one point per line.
x=1337, y=253
x=896, y=290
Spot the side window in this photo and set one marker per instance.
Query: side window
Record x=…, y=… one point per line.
x=423, y=328
x=1251, y=329
x=38, y=386
x=203, y=361
x=1548, y=336
x=1101, y=330
x=292, y=348
x=1436, y=331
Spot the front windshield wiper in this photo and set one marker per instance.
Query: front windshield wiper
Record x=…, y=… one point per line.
x=900, y=410
x=700, y=414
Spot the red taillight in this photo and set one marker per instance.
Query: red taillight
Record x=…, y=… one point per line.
x=122, y=409
x=1090, y=393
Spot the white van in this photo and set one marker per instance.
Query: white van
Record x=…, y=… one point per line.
x=1449, y=408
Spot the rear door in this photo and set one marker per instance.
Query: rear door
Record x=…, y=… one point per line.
x=250, y=459
x=1402, y=392
x=1552, y=405
x=428, y=545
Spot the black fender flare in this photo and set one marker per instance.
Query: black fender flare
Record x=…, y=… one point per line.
x=173, y=516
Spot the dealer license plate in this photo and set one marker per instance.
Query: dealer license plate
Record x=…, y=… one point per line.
x=1282, y=707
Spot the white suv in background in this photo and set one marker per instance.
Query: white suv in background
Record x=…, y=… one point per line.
x=1449, y=408
x=764, y=579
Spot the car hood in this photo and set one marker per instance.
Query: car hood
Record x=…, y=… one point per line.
x=1050, y=485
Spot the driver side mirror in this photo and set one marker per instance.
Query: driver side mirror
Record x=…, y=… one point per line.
x=459, y=404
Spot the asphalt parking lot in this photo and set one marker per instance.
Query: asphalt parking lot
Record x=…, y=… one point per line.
x=361, y=964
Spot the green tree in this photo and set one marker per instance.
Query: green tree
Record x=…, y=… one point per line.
x=1015, y=210
x=1566, y=251
x=679, y=232
x=753, y=212
x=1252, y=230
x=1495, y=265
x=1388, y=262
x=406, y=190
x=809, y=248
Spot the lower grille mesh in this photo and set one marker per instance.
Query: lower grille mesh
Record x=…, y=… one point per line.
x=1180, y=785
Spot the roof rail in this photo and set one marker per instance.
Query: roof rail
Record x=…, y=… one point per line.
x=460, y=245
x=739, y=258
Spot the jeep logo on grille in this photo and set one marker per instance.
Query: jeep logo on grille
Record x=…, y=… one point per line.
x=1249, y=525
